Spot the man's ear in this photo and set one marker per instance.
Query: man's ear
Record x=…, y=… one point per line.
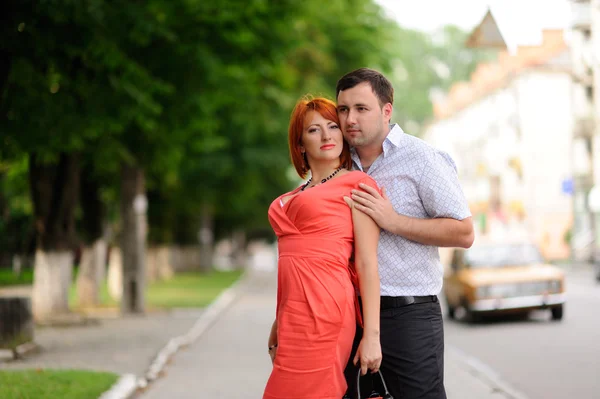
x=387, y=111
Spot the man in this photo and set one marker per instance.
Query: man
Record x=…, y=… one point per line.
x=422, y=207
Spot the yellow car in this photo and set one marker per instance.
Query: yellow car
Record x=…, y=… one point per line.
x=503, y=277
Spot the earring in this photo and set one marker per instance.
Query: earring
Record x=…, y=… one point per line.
x=305, y=163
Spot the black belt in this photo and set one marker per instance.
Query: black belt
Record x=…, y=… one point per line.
x=388, y=302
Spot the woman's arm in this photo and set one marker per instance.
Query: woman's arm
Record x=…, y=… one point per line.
x=366, y=239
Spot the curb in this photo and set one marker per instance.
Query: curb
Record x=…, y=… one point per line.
x=129, y=384
x=486, y=374
x=125, y=387
x=6, y=355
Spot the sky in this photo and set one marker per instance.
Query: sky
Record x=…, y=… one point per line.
x=520, y=21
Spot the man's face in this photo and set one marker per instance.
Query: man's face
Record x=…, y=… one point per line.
x=363, y=121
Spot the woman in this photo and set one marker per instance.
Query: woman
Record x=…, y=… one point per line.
x=311, y=338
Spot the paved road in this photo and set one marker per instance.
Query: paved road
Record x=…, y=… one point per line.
x=541, y=358
x=230, y=360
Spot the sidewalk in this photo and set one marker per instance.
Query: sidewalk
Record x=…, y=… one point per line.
x=230, y=360
x=109, y=342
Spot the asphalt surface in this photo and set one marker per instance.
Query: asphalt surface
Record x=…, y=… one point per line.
x=230, y=360
x=541, y=358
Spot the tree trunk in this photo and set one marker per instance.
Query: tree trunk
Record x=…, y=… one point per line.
x=52, y=277
x=151, y=264
x=54, y=192
x=165, y=268
x=115, y=274
x=5, y=250
x=133, y=237
x=92, y=268
x=206, y=238
x=239, y=254
x=5, y=64
x=91, y=273
x=17, y=265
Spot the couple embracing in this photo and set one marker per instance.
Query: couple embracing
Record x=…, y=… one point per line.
x=359, y=270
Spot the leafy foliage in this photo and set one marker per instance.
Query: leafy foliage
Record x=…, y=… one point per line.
x=197, y=92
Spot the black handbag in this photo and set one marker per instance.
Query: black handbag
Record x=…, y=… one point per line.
x=373, y=395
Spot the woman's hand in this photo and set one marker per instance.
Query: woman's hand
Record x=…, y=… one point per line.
x=273, y=353
x=272, y=341
x=369, y=354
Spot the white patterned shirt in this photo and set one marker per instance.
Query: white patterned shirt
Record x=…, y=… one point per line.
x=421, y=182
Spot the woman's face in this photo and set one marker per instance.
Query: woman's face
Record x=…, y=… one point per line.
x=322, y=138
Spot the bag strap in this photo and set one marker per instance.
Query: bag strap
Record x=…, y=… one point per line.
x=387, y=393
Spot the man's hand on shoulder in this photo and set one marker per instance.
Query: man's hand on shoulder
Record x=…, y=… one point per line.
x=377, y=206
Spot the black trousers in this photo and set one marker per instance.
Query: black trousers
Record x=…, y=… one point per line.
x=412, y=343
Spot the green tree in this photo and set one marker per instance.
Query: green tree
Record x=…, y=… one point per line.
x=61, y=59
x=185, y=102
x=234, y=165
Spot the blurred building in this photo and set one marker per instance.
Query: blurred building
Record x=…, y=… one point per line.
x=509, y=129
x=584, y=40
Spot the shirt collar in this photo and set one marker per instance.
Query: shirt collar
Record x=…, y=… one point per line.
x=393, y=139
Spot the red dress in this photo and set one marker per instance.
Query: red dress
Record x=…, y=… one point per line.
x=316, y=298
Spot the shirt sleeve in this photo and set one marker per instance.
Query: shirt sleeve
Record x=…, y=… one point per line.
x=440, y=190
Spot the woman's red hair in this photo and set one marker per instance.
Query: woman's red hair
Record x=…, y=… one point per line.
x=328, y=110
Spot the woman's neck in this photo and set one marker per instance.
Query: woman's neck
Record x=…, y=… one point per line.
x=322, y=170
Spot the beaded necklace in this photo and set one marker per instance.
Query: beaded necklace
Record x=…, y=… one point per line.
x=323, y=180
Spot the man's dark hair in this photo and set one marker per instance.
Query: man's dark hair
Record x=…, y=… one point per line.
x=381, y=86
